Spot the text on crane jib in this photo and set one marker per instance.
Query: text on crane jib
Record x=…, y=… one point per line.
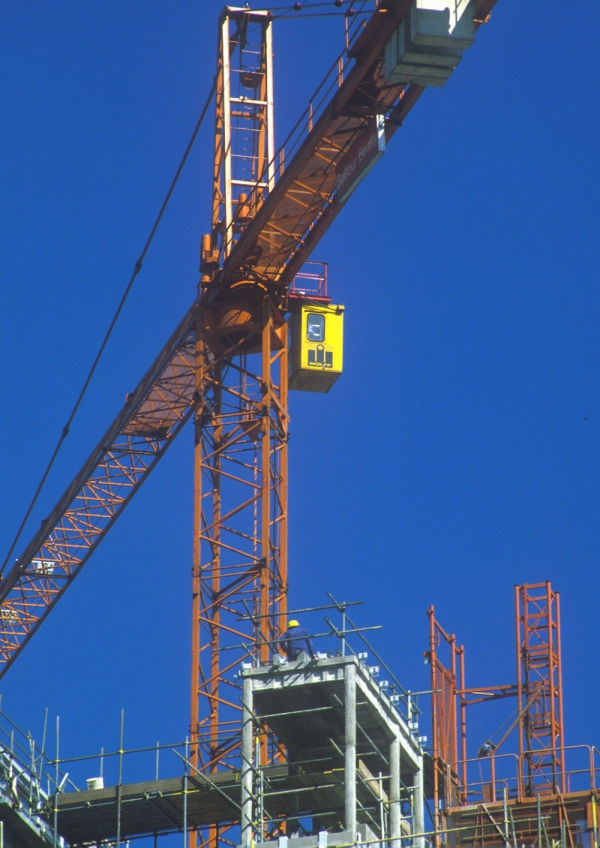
x=361, y=154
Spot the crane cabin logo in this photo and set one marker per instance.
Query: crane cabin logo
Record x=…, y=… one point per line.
x=365, y=151
x=320, y=358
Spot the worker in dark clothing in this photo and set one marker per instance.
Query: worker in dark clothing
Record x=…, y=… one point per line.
x=296, y=644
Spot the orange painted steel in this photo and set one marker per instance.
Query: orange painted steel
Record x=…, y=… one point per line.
x=240, y=521
x=262, y=232
x=287, y=218
x=539, y=767
x=244, y=163
x=448, y=758
x=279, y=239
x=227, y=366
x=450, y=698
x=240, y=532
x=539, y=678
x=152, y=417
x=241, y=417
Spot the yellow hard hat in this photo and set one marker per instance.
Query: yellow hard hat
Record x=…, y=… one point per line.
x=293, y=623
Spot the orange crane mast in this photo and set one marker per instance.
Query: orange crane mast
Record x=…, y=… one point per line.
x=226, y=365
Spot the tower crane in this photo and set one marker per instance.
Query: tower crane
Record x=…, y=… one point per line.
x=227, y=364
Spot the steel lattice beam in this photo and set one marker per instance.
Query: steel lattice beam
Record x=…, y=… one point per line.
x=288, y=219
x=240, y=549
x=301, y=207
x=152, y=416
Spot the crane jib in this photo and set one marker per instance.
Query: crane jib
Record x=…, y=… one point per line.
x=152, y=417
x=277, y=241
x=297, y=212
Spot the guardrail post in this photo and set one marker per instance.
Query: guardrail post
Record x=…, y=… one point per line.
x=247, y=745
x=395, y=831
x=350, y=748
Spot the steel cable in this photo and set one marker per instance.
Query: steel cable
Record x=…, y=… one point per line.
x=136, y=270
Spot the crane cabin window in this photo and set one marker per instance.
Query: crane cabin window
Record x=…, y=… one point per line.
x=315, y=327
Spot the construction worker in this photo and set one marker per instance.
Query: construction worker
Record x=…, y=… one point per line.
x=296, y=644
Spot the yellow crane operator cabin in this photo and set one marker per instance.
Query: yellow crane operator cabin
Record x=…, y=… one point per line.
x=317, y=347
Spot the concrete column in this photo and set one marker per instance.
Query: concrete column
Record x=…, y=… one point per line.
x=395, y=812
x=419, y=802
x=350, y=747
x=247, y=754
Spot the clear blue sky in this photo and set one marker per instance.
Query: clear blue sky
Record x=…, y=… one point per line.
x=457, y=455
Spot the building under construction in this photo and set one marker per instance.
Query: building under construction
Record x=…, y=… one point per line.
x=331, y=755
x=300, y=753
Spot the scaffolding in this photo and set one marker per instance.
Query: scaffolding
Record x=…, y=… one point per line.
x=27, y=785
x=546, y=794
x=331, y=754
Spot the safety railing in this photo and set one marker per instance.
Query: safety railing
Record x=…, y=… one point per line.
x=348, y=639
x=27, y=779
x=31, y=777
x=311, y=281
x=488, y=778
x=333, y=79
